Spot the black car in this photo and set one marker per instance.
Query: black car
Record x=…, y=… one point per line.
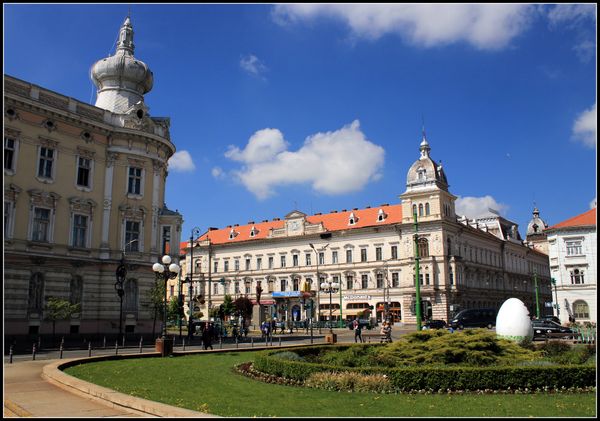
x=548, y=328
x=434, y=324
x=474, y=317
x=551, y=318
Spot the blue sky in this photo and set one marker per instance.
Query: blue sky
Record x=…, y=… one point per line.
x=320, y=107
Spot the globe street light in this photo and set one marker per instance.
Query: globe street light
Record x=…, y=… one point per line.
x=165, y=271
x=330, y=286
x=318, y=280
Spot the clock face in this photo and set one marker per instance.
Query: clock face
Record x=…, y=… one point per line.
x=294, y=225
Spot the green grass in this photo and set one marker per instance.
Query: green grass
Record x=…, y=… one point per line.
x=206, y=382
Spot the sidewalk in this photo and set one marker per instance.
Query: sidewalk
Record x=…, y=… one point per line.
x=26, y=394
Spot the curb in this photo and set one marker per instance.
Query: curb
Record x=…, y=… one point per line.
x=16, y=409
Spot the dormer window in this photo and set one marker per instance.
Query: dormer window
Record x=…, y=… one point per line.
x=232, y=234
x=381, y=215
x=352, y=220
x=421, y=173
x=253, y=231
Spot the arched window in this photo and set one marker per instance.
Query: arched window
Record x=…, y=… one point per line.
x=449, y=244
x=576, y=276
x=423, y=245
x=76, y=294
x=36, y=292
x=414, y=209
x=420, y=209
x=131, y=295
x=426, y=208
x=581, y=310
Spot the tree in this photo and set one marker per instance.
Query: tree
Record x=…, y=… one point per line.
x=243, y=306
x=59, y=309
x=156, y=297
x=173, y=309
x=227, y=306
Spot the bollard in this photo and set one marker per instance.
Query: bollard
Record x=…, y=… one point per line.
x=123, y=341
x=220, y=342
x=104, y=343
x=267, y=340
x=89, y=348
x=116, y=347
x=61, y=351
x=236, y=342
x=251, y=342
x=140, y=344
x=280, y=341
x=183, y=341
x=33, y=352
x=10, y=354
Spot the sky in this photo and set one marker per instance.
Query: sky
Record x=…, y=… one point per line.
x=317, y=107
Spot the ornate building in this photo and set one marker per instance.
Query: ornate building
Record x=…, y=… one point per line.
x=573, y=252
x=371, y=253
x=536, y=237
x=84, y=187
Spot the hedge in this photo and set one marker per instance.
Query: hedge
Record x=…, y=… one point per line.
x=405, y=379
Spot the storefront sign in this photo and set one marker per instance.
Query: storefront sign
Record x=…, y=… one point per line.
x=357, y=297
x=282, y=294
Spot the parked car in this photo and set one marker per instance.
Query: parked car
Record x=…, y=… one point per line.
x=545, y=328
x=551, y=318
x=434, y=324
x=474, y=317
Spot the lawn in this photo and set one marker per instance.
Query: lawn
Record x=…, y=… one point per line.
x=206, y=382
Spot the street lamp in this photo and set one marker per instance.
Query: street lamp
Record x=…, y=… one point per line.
x=120, y=274
x=165, y=271
x=556, y=298
x=318, y=280
x=330, y=287
x=195, y=233
x=537, y=298
x=417, y=278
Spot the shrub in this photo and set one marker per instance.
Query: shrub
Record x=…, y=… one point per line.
x=288, y=355
x=350, y=381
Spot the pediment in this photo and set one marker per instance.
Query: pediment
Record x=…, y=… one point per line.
x=295, y=214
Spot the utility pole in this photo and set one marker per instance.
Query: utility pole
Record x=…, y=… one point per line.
x=537, y=298
x=417, y=280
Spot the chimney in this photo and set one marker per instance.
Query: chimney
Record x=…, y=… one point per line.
x=213, y=228
x=250, y=222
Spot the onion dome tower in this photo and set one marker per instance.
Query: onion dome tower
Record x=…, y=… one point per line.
x=536, y=225
x=536, y=237
x=121, y=79
x=425, y=172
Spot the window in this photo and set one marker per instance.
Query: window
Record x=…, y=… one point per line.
x=236, y=287
x=378, y=253
x=426, y=208
x=363, y=255
x=334, y=257
x=41, y=225
x=451, y=275
x=379, y=280
x=259, y=263
x=449, y=246
x=420, y=209
x=79, y=231
x=394, y=252
x=308, y=259
x=296, y=284
x=9, y=153
x=576, y=276
x=215, y=289
x=352, y=219
x=132, y=236
x=135, y=181
x=8, y=207
x=283, y=284
x=380, y=215
x=581, y=310
x=36, y=292
x=172, y=290
x=348, y=256
x=349, y=282
x=76, y=290
x=414, y=207
x=226, y=266
x=236, y=264
x=215, y=266
x=426, y=279
x=364, y=281
x=294, y=260
x=247, y=286
x=423, y=247
x=321, y=258
x=270, y=262
x=46, y=162
x=84, y=167
x=282, y=261
x=574, y=248
x=395, y=280
x=248, y=264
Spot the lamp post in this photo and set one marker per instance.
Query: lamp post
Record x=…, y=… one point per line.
x=537, y=298
x=318, y=279
x=330, y=286
x=195, y=233
x=417, y=280
x=165, y=271
x=120, y=274
x=556, y=298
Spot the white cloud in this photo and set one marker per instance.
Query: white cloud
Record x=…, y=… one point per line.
x=571, y=14
x=485, y=26
x=475, y=207
x=181, y=161
x=584, y=128
x=335, y=162
x=217, y=172
x=253, y=65
x=593, y=203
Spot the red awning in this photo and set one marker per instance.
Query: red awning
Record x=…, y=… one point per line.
x=264, y=302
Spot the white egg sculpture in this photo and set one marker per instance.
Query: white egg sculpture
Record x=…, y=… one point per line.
x=513, y=321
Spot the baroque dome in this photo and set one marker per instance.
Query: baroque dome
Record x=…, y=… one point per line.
x=536, y=225
x=121, y=79
x=425, y=172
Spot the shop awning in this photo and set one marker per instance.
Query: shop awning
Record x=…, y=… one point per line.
x=353, y=311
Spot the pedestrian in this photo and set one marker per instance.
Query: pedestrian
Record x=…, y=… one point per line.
x=386, y=332
x=207, y=337
x=357, y=331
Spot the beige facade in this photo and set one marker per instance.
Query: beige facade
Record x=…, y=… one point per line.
x=371, y=252
x=83, y=188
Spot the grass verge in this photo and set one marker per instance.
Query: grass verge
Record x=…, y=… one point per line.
x=207, y=383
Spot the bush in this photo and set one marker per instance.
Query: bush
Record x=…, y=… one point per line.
x=288, y=355
x=350, y=381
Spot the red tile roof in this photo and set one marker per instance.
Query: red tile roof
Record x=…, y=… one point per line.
x=335, y=221
x=585, y=219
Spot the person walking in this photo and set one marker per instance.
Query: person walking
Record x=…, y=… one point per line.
x=357, y=331
x=207, y=337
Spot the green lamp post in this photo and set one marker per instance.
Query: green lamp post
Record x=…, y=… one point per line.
x=417, y=280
